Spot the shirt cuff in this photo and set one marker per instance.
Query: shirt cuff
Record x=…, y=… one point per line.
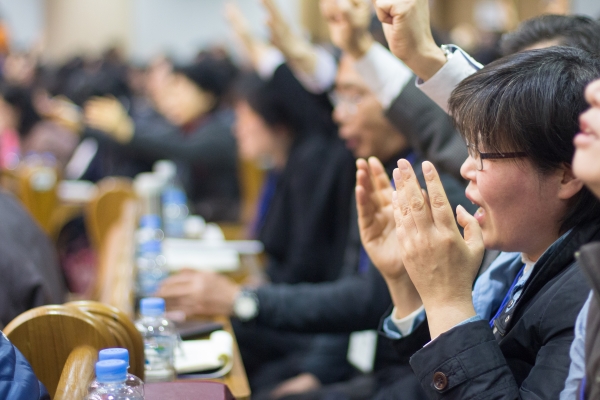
x=439, y=87
x=323, y=77
x=270, y=61
x=398, y=328
x=383, y=73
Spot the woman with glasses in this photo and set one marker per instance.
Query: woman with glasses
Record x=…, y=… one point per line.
x=508, y=335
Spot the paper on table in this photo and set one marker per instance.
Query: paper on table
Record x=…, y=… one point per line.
x=204, y=355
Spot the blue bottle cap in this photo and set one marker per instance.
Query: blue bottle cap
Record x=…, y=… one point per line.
x=150, y=221
x=116, y=353
x=151, y=246
x=152, y=306
x=174, y=195
x=111, y=371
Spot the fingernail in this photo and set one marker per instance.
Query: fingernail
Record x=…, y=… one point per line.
x=403, y=165
x=396, y=174
x=427, y=168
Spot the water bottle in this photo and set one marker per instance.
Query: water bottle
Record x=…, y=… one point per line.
x=111, y=377
x=118, y=354
x=160, y=339
x=151, y=263
x=174, y=211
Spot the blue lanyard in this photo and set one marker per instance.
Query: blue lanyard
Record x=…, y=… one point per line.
x=582, y=389
x=266, y=198
x=507, y=297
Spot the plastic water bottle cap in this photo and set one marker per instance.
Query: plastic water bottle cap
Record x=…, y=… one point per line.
x=165, y=168
x=152, y=306
x=114, y=354
x=147, y=184
x=151, y=246
x=176, y=196
x=111, y=371
x=150, y=221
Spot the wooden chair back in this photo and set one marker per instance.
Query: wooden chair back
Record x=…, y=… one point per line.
x=251, y=181
x=61, y=343
x=122, y=328
x=36, y=187
x=105, y=209
x=115, y=282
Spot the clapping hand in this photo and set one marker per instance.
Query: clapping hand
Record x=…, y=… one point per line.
x=377, y=232
x=440, y=262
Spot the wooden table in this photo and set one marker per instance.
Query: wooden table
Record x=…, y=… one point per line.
x=236, y=380
x=118, y=271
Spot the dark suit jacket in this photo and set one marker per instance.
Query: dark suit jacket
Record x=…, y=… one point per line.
x=429, y=130
x=29, y=267
x=306, y=226
x=206, y=159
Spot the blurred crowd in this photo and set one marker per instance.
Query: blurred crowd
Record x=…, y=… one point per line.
x=365, y=269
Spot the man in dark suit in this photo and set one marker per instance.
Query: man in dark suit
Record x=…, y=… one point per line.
x=29, y=267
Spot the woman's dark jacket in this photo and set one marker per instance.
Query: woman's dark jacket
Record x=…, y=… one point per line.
x=530, y=359
x=306, y=226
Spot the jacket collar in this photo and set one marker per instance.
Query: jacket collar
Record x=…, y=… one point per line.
x=559, y=257
x=589, y=260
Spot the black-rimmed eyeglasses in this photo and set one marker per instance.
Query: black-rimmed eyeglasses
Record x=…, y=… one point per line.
x=479, y=156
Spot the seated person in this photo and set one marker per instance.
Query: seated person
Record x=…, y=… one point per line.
x=31, y=276
x=303, y=218
x=199, y=140
x=354, y=301
x=585, y=167
x=442, y=72
x=18, y=381
x=522, y=337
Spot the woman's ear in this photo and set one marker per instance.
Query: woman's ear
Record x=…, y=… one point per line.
x=569, y=184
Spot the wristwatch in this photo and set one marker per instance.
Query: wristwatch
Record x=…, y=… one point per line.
x=245, y=305
x=447, y=51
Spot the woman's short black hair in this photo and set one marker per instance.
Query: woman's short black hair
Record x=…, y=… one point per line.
x=530, y=102
x=567, y=30
x=279, y=101
x=21, y=99
x=211, y=74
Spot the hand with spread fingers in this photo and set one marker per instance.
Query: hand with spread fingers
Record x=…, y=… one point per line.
x=440, y=262
x=297, y=50
x=108, y=114
x=348, y=22
x=406, y=25
x=199, y=293
x=378, y=233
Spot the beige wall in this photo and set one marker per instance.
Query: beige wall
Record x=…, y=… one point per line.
x=86, y=26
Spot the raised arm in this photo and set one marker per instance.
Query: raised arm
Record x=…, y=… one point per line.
x=312, y=65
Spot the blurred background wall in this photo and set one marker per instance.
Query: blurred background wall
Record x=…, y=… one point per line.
x=144, y=28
